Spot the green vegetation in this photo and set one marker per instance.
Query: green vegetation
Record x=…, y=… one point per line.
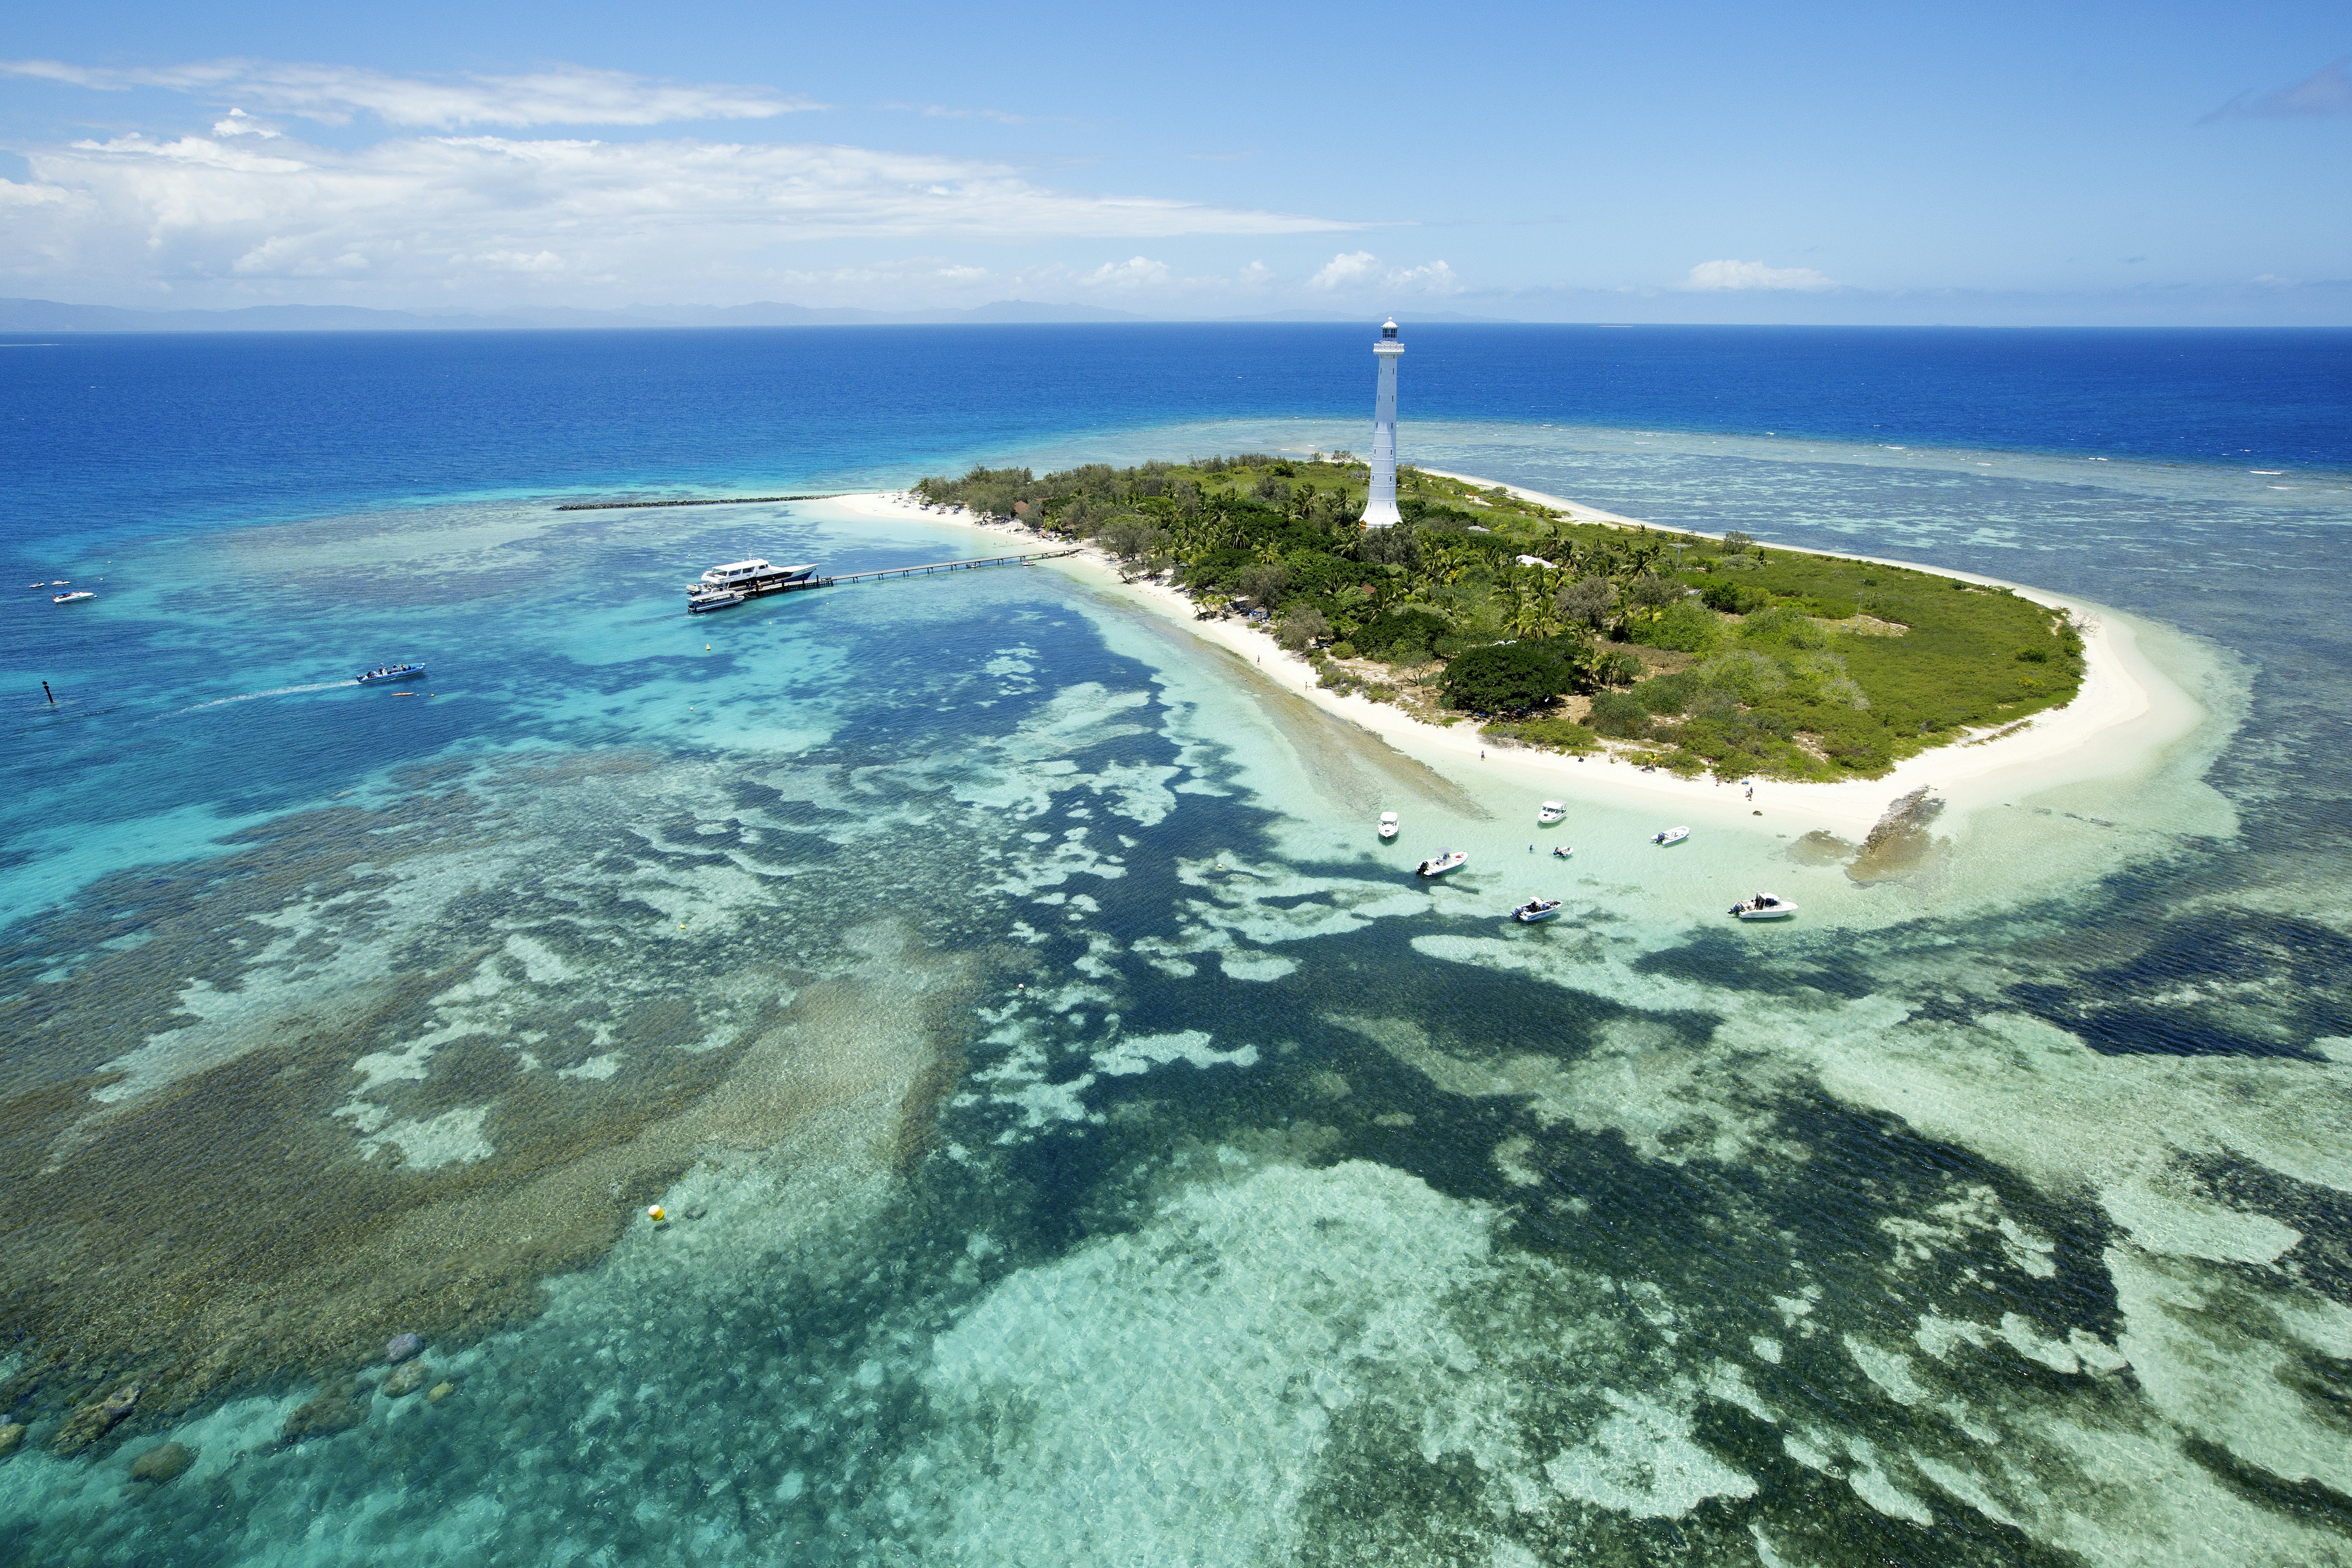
x=1702, y=653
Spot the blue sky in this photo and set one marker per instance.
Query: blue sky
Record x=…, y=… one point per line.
x=1701, y=163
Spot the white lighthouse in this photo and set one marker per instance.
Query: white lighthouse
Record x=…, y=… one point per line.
x=1380, y=506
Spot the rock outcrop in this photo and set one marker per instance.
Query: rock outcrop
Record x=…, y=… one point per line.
x=163, y=1463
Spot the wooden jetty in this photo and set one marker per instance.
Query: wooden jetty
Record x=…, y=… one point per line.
x=949, y=566
x=712, y=500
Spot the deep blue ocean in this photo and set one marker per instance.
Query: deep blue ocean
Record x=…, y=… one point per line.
x=1077, y=1141
x=137, y=431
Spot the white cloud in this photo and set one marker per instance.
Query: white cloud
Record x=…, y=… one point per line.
x=1435, y=279
x=1346, y=270
x=2327, y=90
x=418, y=214
x=240, y=123
x=1361, y=269
x=332, y=94
x=942, y=111
x=1754, y=275
x=1138, y=272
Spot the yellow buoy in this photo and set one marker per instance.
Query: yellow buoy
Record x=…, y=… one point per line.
x=657, y=1214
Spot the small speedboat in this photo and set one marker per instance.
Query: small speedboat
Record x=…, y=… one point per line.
x=1763, y=906
x=1671, y=836
x=1536, y=910
x=1444, y=860
x=59, y=582
x=1388, y=824
x=712, y=599
x=75, y=597
x=1562, y=851
x=385, y=672
x=1551, y=811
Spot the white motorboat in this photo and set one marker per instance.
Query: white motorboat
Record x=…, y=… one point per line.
x=1764, y=907
x=385, y=672
x=1388, y=824
x=1551, y=811
x=73, y=598
x=1671, y=836
x=1444, y=860
x=1562, y=851
x=712, y=599
x=1536, y=910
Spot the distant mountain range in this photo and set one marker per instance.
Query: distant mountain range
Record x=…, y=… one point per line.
x=49, y=316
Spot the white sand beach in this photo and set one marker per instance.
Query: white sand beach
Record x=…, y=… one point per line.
x=2127, y=712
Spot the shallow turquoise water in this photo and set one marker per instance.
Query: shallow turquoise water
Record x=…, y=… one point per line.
x=1084, y=1143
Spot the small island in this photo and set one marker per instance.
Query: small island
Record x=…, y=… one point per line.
x=1676, y=650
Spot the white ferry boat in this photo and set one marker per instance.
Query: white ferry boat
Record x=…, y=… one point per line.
x=755, y=572
x=737, y=581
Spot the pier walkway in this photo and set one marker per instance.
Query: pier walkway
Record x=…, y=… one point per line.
x=947, y=566
x=713, y=501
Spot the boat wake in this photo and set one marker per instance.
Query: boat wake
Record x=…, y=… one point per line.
x=273, y=691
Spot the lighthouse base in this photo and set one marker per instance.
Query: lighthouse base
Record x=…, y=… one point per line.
x=1382, y=514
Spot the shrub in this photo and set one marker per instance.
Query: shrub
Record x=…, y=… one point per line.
x=1343, y=650
x=1733, y=598
x=1617, y=668
x=1263, y=582
x=1744, y=674
x=1505, y=678
x=1621, y=714
x=1390, y=632
x=2034, y=654
x=1653, y=592
x=1130, y=536
x=1586, y=601
x=1553, y=735
x=1667, y=693
x=1301, y=624
x=1783, y=626
x=1683, y=626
